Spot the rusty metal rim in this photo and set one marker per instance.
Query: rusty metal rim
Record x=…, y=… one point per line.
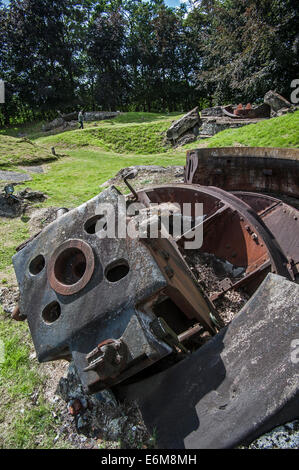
x=65, y=289
x=276, y=254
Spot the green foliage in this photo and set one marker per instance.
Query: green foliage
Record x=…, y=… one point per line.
x=72, y=181
x=248, y=48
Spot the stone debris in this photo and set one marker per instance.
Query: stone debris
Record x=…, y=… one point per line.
x=90, y=420
x=282, y=437
x=147, y=176
x=187, y=125
x=9, y=297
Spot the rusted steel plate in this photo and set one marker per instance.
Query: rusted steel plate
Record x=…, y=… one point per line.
x=238, y=386
x=249, y=240
x=281, y=219
x=245, y=168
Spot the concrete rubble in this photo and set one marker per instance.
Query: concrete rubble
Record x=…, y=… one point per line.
x=67, y=122
x=193, y=126
x=17, y=204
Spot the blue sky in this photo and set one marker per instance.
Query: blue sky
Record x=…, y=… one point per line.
x=173, y=3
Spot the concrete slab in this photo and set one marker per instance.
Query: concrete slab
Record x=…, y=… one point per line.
x=13, y=177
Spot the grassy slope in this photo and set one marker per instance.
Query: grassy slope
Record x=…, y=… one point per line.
x=68, y=182
x=276, y=132
x=137, y=133
x=15, y=151
x=72, y=181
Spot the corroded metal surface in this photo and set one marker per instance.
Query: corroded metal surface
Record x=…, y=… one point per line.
x=257, y=169
x=79, y=290
x=232, y=230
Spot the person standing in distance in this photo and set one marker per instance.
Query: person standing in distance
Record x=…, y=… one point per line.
x=81, y=119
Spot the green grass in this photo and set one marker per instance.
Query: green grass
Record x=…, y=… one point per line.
x=15, y=151
x=75, y=179
x=12, y=233
x=277, y=132
x=22, y=423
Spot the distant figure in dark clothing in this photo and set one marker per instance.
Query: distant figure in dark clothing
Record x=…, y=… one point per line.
x=81, y=119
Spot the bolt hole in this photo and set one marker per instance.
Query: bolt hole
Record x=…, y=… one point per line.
x=37, y=265
x=51, y=313
x=91, y=225
x=117, y=270
x=70, y=266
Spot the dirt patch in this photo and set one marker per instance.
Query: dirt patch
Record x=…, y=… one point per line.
x=9, y=297
x=40, y=218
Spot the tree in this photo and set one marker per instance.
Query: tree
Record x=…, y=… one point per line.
x=39, y=60
x=106, y=47
x=250, y=47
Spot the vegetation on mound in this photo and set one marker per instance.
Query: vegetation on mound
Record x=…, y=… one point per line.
x=22, y=152
x=139, y=139
x=277, y=132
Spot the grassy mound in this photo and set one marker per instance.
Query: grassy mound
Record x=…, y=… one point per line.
x=21, y=152
x=139, y=133
x=277, y=132
x=139, y=139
